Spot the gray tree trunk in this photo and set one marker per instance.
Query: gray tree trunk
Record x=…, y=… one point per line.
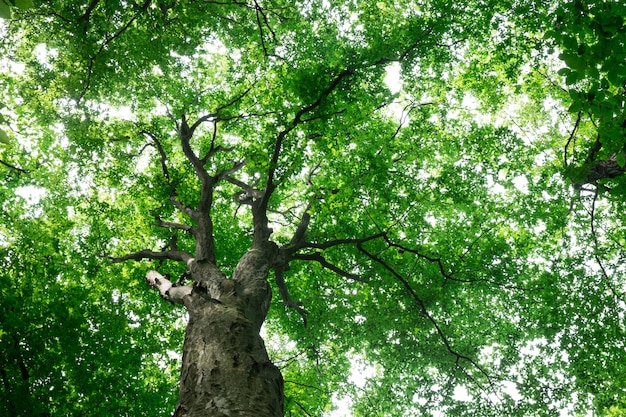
x=226, y=370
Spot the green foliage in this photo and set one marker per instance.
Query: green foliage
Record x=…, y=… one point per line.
x=487, y=276
x=591, y=38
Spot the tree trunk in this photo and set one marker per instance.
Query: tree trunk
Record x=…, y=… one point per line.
x=226, y=370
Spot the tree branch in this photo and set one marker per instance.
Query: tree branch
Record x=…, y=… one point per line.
x=6, y=164
x=183, y=208
x=185, y=133
x=425, y=313
x=317, y=257
x=169, y=292
x=299, y=236
x=284, y=293
x=571, y=137
x=174, y=225
x=596, y=244
x=107, y=41
x=332, y=243
x=163, y=155
x=260, y=218
x=226, y=173
x=248, y=190
x=174, y=255
x=442, y=270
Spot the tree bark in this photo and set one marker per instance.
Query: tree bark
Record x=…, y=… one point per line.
x=226, y=370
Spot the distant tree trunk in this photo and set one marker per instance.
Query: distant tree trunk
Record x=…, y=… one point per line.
x=226, y=370
x=607, y=168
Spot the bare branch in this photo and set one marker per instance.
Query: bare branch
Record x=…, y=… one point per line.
x=174, y=294
x=173, y=225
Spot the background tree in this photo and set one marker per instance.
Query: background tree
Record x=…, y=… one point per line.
x=242, y=149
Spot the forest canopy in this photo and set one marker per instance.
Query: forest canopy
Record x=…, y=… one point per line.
x=420, y=204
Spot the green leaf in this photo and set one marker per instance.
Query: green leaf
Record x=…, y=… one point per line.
x=5, y=10
x=4, y=138
x=564, y=71
x=24, y=4
x=615, y=77
x=620, y=159
x=571, y=78
x=569, y=42
x=573, y=61
x=575, y=107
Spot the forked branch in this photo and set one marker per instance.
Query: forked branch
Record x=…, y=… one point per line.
x=317, y=257
x=424, y=312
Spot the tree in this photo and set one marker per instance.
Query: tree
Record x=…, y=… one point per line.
x=237, y=150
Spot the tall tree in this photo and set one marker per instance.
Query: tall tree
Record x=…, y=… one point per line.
x=405, y=177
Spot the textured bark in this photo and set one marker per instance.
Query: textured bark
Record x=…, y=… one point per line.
x=226, y=370
x=604, y=169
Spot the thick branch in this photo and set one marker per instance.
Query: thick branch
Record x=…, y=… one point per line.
x=185, y=133
x=183, y=208
x=261, y=229
x=177, y=226
x=165, y=287
x=248, y=190
x=205, y=243
x=299, y=236
x=174, y=255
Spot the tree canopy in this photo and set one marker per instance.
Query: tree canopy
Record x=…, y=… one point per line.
x=443, y=181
